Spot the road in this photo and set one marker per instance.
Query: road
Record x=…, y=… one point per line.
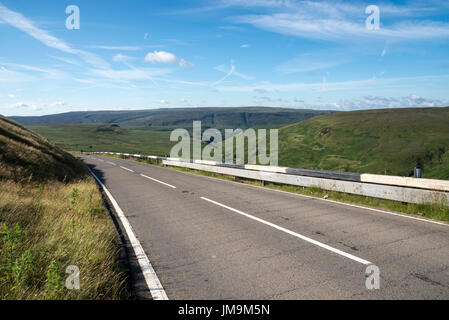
x=214, y=239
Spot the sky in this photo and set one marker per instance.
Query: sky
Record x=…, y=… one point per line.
x=134, y=55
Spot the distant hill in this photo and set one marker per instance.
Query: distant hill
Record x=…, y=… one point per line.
x=244, y=117
x=371, y=141
x=26, y=156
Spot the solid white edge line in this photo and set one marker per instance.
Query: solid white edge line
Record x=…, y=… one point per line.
x=151, y=278
x=126, y=169
x=169, y=185
x=317, y=243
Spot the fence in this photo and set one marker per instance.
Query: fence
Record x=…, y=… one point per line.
x=404, y=189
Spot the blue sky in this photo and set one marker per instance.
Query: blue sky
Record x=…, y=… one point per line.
x=159, y=54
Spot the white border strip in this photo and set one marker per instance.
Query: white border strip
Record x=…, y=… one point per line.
x=317, y=243
x=153, y=283
x=168, y=185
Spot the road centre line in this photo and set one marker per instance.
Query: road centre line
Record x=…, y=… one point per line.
x=161, y=182
x=402, y=215
x=126, y=169
x=317, y=243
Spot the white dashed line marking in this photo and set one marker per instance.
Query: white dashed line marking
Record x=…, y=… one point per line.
x=126, y=169
x=168, y=185
x=317, y=243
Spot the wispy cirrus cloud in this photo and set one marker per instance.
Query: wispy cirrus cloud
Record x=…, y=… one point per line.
x=24, y=24
x=131, y=74
x=312, y=61
x=339, y=21
x=229, y=72
x=349, y=85
x=118, y=48
x=120, y=58
x=14, y=72
x=339, y=29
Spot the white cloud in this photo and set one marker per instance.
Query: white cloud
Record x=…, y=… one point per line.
x=379, y=102
x=117, y=48
x=57, y=104
x=185, y=64
x=12, y=96
x=20, y=22
x=43, y=72
x=120, y=57
x=349, y=85
x=66, y=60
x=145, y=36
x=182, y=100
x=130, y=74
x=245, y=45
x=230, y=72
x=310, y=62
x=7, y=75
x=260, y=91
x=23, y=105
x=161, y=57
x=340, y=21
x=163, y=101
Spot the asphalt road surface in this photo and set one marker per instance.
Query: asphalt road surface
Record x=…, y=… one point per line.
x=214, y=239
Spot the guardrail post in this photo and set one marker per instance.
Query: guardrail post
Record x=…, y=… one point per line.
x=417, y=172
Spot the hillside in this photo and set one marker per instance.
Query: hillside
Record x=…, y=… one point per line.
x=245, y=117
x=148, y=140
x=371, y=141
x=24, y=155
x=52, y=216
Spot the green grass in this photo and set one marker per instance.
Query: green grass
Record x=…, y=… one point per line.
x=52, y=216
x=387, y=141
x=46, y=228
x=434, y=212
x=391, y=141
x=147, y=140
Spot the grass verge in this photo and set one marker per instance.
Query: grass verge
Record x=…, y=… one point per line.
x=434, y=212
x=44, y=228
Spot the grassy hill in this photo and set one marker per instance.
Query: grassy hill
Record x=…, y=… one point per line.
x=149, y=131
x=147, y=140
x=219, y=118
x=26, y=155
x=52, y=216
x=371, y=141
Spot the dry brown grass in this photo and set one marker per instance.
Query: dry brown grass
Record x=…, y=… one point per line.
x=52, y=216
x=46, y=228
x=26, y=156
